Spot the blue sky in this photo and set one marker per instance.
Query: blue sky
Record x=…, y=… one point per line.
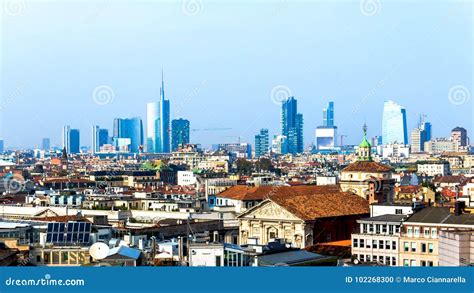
x=222, y=60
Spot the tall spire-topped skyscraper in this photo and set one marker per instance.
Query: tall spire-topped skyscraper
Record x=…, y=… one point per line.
x=158, y=123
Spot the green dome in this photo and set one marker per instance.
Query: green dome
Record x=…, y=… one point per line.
x=365, y=144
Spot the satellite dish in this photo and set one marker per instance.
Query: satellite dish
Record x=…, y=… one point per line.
x=99, y=250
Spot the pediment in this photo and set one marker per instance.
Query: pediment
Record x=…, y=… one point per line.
x=270, y=211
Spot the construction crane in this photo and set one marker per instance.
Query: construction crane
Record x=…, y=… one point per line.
x=210, y=129
x=234, y=136
x=342, y=139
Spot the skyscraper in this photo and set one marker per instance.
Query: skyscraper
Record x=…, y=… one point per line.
x=131, y=129
x=262, y=143
x=420, y=135
x=292, y=126
x=327, y=133
x=1, y=146
x=46, y=144
x=394, y=124
x=459, y=137
x=100, y=137
x=158, y=124
x=179, y=133
x=71, y=140
x=328, y=115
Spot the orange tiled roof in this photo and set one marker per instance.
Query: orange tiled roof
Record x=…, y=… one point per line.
x=243, y=192
x=323, y=205
x=367, y=166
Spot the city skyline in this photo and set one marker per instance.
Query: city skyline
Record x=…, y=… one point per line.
x=358, y=80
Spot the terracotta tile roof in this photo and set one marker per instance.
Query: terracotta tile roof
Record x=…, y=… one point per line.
x=451, y=179
x=63, y=219
x=367, y=166
x=323, y=205
x=242, y=192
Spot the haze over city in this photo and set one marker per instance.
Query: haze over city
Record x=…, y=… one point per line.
x=221, y=63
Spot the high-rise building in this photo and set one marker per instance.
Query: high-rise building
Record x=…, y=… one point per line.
x=292, y=126
x=1, y=146
x=132, y=129
x=158, y=124
x=262, y=143
x=279, y=144
x=179, y=133
x=328, y=115
x=459, y=137
x=71, y=140
x=420, y=135
x=100, y=137
x=394, y=124
x=46, y=144
x=326, y=135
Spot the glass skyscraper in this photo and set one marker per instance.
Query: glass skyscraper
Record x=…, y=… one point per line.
x=292, y=126
x=100, y=137
x=71, y=140
x=179, y=133
x=328, y=115
x=394, y=124
x=132, y=129
x=46, y=144
x=262, y=144
x=158, y=124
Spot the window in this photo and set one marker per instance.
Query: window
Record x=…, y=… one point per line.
x=355, y=242
x=426, y=232
x=423, y=247
x=430, y=247
x=362, y=258
x=387, y=244
x=417, y=232
x=413, y=263
x=413, y=247
x=409, y=231
x=368, y=257
x=399, y=212
x=390, y=229
x=362, y=243
x=406, y=263
x=394, y=261
x=371, y=228
x=218, y=261
x=364, y=228
x=406, y=246
x=394, y=245
x=434, y=232
x=423, y=263
x=380, y=244
x=377, y=229
x=374, y=244
x=387, y=260
x=384, y=229
x=430, y=263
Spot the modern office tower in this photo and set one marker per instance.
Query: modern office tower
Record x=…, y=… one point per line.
x=179, y=133
x=71, y=140
x=292, y=126
x=1, y=146
x=132, y=129
x=328, y=115
x=420, y=135
x=158, y=124
x=326, y=135
x=394, y=124
x=418, y=139
x=100, y=137
x=459, y=137
x=46, y=144
x=262, y=143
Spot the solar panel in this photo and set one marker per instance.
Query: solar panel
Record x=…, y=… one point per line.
x=71, y=232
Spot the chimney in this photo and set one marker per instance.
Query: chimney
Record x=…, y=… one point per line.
x=459, y=207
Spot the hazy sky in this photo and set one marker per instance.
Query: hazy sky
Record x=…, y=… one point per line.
x=222, y=59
